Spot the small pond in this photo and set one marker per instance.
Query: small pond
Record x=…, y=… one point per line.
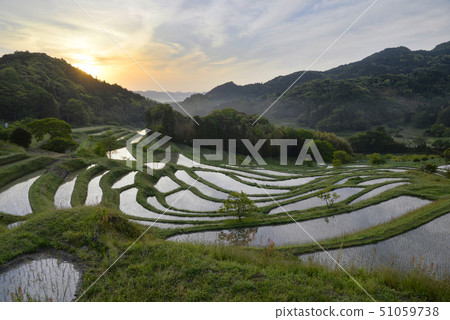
x=44, y=279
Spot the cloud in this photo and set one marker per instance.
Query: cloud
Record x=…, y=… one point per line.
x=197, y=44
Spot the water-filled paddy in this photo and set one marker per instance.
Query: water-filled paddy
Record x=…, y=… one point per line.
x=126, y=180
x=63, y=195
x=166, y=184
x=425, y=249
x=203, y=188
x=130, y=206
x=225, y=182
x=121, y=154
x=187, y=200
x=378, y=191
x=95, y=193
x=14, y=197
x=281, y=183
x=381, y=180
x=309, y=203
x=319, y=229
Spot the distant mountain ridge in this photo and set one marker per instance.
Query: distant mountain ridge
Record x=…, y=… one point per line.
x=387, y=87
x=163, y=97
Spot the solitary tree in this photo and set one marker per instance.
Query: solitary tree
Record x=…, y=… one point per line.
x=238, y=204
x=329, y=197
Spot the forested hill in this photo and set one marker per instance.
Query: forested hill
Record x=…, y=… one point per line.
x=38, y=86
x=393, y=87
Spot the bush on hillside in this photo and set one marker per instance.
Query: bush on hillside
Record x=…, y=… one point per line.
x=21, y=137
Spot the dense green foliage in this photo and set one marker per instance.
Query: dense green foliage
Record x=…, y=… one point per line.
x=38, y=86
x=229, y=124
x=53, y=127
x=58, y=131
x=375, y=141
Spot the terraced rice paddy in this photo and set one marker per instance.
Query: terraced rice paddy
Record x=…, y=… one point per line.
x=432, y=240
x=126, y=180
x=94, y=192
x=14, y=197
x=130, y=206
x=63, y=195
x=166, y=184
x=164, y=201
x=313, y=202
x=377, y=191
x=186, y=200
x=377, y=181
x=318, y=229
x=227, y=183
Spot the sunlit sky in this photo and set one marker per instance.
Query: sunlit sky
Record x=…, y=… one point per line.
x=195, y=45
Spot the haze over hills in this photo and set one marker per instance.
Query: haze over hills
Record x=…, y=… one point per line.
x=392, y=87
x=161, y=96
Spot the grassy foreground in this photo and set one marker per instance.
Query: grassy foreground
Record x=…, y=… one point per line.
x=158, y=270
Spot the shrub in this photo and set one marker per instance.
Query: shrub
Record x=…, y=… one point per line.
x=21, y=137
x=375, y=159
x=60, y=144
x=342, y=156
x=85, y=153
x=429, y=168
x=336, y=163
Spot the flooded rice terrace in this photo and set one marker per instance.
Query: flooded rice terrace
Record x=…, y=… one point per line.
x=14, y=197
x=424, y=249
x=303, y=232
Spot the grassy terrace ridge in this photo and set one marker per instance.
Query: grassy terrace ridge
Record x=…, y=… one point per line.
x=158, y=270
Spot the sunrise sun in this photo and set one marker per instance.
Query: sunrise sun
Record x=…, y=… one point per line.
x=86, y=64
